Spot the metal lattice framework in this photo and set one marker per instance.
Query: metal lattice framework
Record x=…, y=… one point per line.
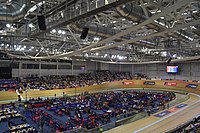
x=126, y=31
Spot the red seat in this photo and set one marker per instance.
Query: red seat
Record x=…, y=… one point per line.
x=51, y=122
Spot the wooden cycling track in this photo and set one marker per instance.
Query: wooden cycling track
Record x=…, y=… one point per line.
x=150, y=124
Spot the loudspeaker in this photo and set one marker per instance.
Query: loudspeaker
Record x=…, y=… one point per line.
x=169, y=60
x=84, y=33
x=41, y=22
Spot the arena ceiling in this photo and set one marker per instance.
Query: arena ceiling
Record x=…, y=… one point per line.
x=131, y=31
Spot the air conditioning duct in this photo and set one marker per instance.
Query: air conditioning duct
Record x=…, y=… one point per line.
x=135, y=13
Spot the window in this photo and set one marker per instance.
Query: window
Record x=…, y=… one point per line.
x=15, y=65
x=48, y=66
x=78, y=67
x=64, y=67
x=24, y=66
x=30, y=66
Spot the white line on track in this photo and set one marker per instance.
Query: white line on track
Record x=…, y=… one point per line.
x=168, y=115
x=19, y=94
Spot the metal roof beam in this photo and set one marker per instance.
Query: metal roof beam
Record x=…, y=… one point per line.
x=125, y=32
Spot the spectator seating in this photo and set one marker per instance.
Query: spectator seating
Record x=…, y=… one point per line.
x=6, y=84
x=92, y=110
x=192, y=126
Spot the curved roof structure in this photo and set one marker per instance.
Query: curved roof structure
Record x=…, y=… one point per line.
x=115, y=31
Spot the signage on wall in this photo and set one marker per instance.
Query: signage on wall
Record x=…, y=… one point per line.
x=170, y=83
x=192, y=86
x=149, y=83
x=82, y=68
x=128, y=83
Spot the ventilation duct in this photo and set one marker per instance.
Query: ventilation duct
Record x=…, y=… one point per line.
x=97, y=30
x=14, y=10
x=94, y=29
x=130, y=11
x=135, y=13
x=102, y=31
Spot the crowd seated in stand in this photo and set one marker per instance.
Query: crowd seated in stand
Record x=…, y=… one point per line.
x=64, y=81
x=34, y=83
x=12, y=121
x=56, y=82
x=88, y=78
x=7, y=84
x=140, y=76
x=104, y=76
x=122, y=75
x=192, y=126
x=92, y=110
x=71, y=81
x=84, y=79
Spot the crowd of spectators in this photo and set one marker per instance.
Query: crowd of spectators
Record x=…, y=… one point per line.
x=192, y=126
x=93, y=110
x=122, y=75
x=54, y=81
x=9, y=84
x=11, y=121
x=104, y=76
x=71, y=81
x=34, y=83
x=84, y=79
x=140, y=76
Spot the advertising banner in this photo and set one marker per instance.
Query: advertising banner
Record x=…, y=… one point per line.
x=128, y=83
x=149, y=83
x=181, y=106
x=163, y=113
x=171, y=110
x=192, y=86
x=170, y=83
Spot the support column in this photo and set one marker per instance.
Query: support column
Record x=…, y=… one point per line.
x=40, y=68
x=132, y=68
x=72, y=67
x=190, y=73
x=20, y=69
x=85, y=70
x=57, y=67
x=157, y=72
x=96, y=65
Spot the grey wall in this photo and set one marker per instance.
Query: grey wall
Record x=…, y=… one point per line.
x=55, y=68
x=114, y=67
x=126, y=68
x=188, y=71
x=104, y=66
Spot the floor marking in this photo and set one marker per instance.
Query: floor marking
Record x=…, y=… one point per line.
x=19, y=94
x=167, y=116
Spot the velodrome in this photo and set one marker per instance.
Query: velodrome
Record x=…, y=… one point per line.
x=147, y=124
x=93, y=66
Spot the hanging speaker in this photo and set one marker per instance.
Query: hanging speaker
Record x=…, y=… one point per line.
x=84, y=33
x=41, y=22
x=169, y=60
